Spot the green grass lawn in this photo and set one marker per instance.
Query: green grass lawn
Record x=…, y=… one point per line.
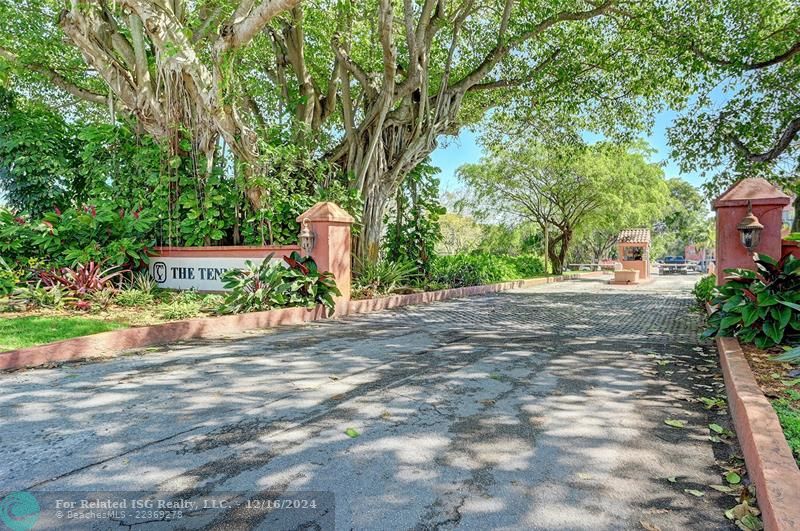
x=20, y=332
x=790, y=422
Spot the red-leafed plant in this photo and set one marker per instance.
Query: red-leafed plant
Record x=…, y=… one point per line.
x=84, y=279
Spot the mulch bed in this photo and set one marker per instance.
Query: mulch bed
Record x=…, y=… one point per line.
x=769, y=374
x=780, y=383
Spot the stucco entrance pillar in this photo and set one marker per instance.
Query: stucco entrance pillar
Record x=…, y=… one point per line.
x=330, y=225
x=767, y=202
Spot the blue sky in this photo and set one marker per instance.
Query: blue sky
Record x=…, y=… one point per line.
x=465, y=149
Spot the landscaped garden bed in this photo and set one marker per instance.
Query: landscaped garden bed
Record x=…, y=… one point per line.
x=21, y=329
x=756, y=320
x=386, y=278
x=780, y=383
x=760, y=308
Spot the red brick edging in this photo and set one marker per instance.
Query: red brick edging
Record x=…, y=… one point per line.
x=769, y=460
x=110, y=344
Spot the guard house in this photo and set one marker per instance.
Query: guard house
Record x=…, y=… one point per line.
x=633, y=251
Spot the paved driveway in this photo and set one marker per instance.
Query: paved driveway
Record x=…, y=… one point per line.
x=540, y=409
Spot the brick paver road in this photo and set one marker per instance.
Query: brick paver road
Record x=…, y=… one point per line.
x=532, y=409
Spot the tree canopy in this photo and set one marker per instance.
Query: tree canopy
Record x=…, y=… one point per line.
x=369, y=88
x=744, y=61
x=571, y=190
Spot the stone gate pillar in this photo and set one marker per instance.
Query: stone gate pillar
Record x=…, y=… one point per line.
x=330, y=225
x=768, y=203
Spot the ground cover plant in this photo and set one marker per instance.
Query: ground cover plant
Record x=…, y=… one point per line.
x=27, y=331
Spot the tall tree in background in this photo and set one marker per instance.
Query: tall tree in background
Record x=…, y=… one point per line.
x=569, y=189
x=636, y=196
x=686, y=220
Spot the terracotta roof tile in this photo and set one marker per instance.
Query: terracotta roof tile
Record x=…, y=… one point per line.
x=634, y=236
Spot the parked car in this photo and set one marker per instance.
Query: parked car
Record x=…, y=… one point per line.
x=674, y=264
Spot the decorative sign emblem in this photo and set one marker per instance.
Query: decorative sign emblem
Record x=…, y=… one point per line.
x=203, y=273
x=160, y=272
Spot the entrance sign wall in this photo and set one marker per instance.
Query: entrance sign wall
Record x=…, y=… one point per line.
x=201, y=268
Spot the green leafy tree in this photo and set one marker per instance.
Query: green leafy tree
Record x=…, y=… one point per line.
x=743, y=60
x=569, y=189
x=686, y=220
x=169, y=64
x=413, y=229
x=38, y=157
x=460, y=234
x=634, y=194
x=372, y=86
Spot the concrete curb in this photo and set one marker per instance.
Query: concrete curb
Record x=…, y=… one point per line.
x=110, y=344
x=395, y=301
x=769, y=460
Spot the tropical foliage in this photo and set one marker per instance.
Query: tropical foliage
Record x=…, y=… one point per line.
x=295, y=281
x=412, y=229
x=474, y=269
x=100, y=233
x=703, y=289
x=760, y=307
x=383, y=277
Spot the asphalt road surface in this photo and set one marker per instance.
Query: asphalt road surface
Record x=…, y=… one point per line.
x=540, y=408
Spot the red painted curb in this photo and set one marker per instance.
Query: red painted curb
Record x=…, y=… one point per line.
x=109, y=344
x=395, y=301
x=769, y=460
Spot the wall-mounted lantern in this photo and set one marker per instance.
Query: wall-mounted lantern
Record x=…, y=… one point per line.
x=306, y=238
x=750, y=229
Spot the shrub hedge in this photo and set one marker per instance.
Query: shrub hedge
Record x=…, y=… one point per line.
x=474, y=269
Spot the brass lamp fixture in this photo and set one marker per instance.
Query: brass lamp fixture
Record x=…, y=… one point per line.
x=306, y=238
x=750, y=229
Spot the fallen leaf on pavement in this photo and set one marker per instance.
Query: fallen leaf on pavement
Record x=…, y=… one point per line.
x=733, y=478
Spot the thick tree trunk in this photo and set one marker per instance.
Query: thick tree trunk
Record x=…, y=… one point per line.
x=380, y=160
x=368, y=243
x=558, y=250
